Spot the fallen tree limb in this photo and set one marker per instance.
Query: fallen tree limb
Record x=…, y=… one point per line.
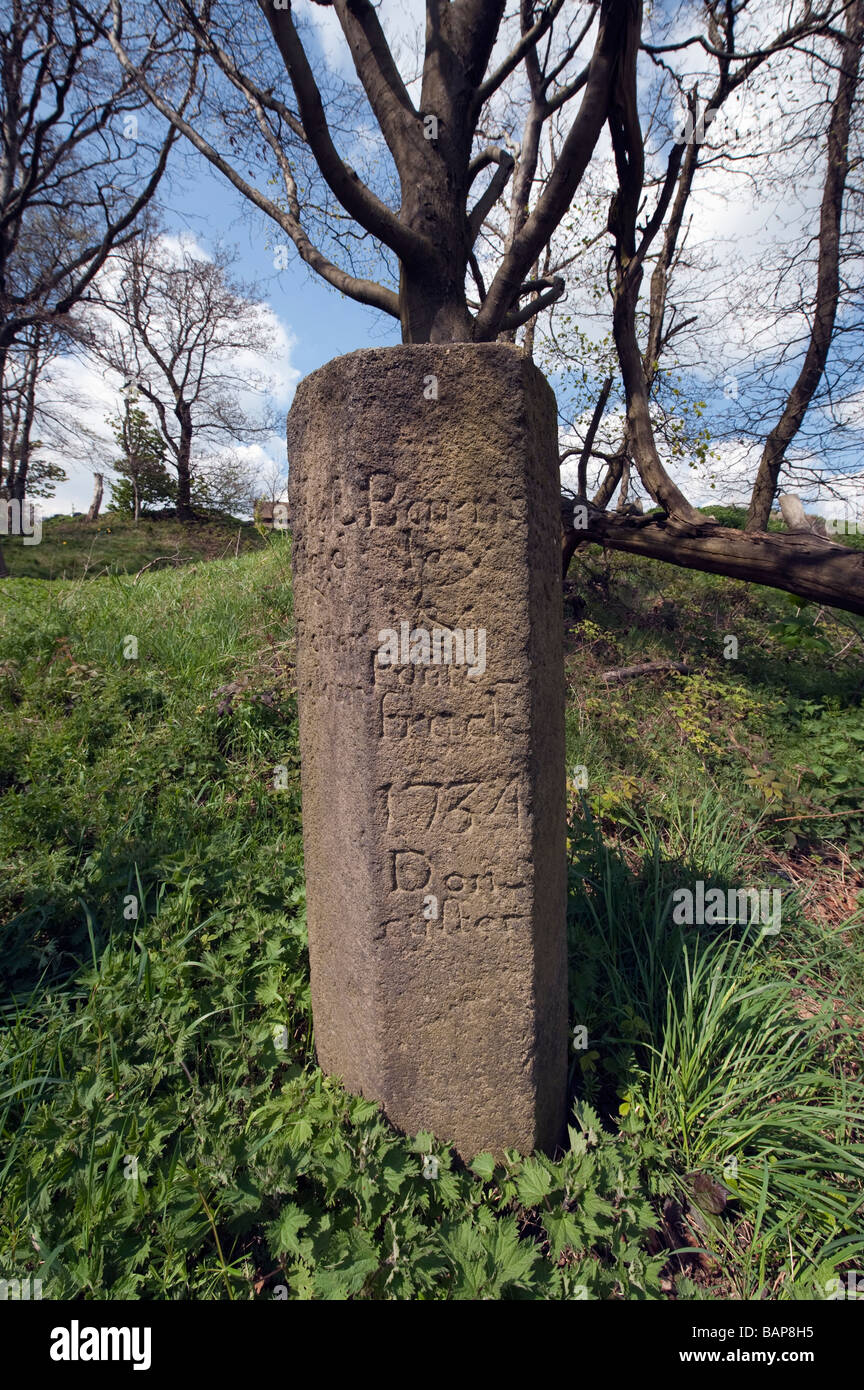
x=803, y=564
x=174, y=559
x=645, y=668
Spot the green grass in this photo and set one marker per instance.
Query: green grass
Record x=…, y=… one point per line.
x=72, y=547
x=165, y=1132
x=729, y=1048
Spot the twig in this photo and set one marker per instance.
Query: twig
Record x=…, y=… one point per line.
x=174, y=558
x=626, y=673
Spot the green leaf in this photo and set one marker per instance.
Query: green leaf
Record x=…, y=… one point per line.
x=534, y=1183
x=484, y=1166
x=563, y=1232
x=284, y=1233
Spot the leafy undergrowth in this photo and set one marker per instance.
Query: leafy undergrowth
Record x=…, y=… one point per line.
x=165, y=1132
x=768, y=713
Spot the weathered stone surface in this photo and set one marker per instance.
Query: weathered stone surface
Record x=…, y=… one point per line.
x=424, y=491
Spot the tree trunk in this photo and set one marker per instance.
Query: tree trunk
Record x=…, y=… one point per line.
x=3, y=359
x=640, y=432
x=184, y=469
x=829, y=260
x=432, y=294
x=432, y=299
x=427, y=318
x=569, y=536
x=25, y=430
x=97, y=498
x=802, y=564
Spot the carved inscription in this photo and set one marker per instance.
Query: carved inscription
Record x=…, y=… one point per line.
x=458, y=807
x=432, y=716
x=464, y=816
x=380, y=500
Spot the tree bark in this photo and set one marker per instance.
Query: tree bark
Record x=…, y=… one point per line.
x=827, y=282
x=569, y=537
x=813, y=569
x=25, y=429
x=434, y=169
x=183, y=465
x=97, y=498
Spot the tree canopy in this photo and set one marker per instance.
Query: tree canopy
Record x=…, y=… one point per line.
x=453, y=180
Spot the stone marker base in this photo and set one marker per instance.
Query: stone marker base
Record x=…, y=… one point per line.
x=425, y=506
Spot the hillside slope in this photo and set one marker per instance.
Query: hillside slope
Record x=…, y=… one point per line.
x=165, y=1131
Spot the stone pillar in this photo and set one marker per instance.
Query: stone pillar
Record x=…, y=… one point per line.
x=425, y=505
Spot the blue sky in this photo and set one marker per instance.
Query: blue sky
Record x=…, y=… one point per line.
x=319, y=322
x=323, y=322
